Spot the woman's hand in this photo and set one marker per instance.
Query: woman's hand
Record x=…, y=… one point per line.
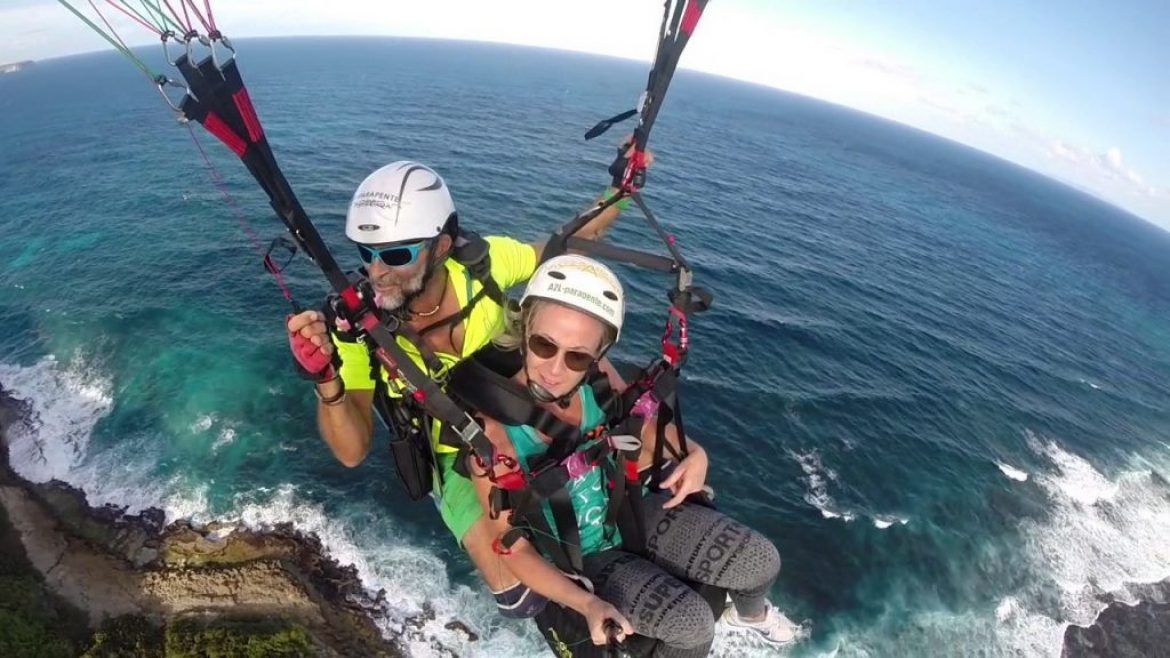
x=687, y=478
x=597, y=612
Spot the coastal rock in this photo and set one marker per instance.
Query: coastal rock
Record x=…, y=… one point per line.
x=117, y=566
x=1124, y=630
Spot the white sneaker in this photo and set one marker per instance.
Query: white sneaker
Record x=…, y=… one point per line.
x=774, y=627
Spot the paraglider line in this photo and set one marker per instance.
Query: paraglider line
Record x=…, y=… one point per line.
x=198, y=15
x=218, y=180
x=133, y=15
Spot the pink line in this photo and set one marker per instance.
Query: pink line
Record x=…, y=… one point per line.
x=138, y=20
x=179, y=19
x=195, y=9
x=239, y=214
x=210, y=18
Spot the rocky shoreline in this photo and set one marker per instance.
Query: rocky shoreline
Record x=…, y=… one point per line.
x=131, y=571
x=1126, y=629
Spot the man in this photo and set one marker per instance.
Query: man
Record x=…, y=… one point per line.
x=403, y=220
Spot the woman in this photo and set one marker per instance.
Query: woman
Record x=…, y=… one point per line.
x=570, y=315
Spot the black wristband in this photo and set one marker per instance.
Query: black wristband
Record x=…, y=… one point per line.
x=336, y=399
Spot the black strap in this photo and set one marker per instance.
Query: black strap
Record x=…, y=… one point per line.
x=631, y=519
x=615, y=473
x=478, y=383
x=219, y=101
x=474, y=253
x=606, y=124
x=675, y=33
x=622, y=254
x=434, y=365
x=676, y=410
x=566, y=438
x=569, y=533
x=528, y=520
x=606, y=397
x=549, y=483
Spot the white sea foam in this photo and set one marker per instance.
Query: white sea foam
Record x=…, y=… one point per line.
x=1099, y=532
x=817, y=478
x=203, y=423
x=66, y=401
x=226, y=436
x=881, y=522
x=1012, y=472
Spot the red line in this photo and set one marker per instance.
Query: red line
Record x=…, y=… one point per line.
x=218, y=180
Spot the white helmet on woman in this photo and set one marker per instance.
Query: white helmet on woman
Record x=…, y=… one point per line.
x=581, y=283
x=402, y=202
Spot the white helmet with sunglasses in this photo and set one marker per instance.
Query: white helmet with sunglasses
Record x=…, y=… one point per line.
x=581, y=283
x=401, y=202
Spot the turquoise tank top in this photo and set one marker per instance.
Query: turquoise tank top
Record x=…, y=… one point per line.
x=588, y=491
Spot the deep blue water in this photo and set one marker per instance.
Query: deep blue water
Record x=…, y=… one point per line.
x=938, y=381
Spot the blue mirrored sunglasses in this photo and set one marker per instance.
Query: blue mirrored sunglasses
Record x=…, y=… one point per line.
x=399, y=255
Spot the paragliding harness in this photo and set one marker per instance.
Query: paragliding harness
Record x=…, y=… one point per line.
x=484, y=383
x=545, y=481
x=652, y=391
x=410, y=424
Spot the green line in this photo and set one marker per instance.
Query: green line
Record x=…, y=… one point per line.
x=113, y=32
x=148, y=21
x=120, y=48
x=178, y=29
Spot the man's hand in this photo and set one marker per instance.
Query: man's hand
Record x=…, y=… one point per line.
x=622, y=162
x=309, y=341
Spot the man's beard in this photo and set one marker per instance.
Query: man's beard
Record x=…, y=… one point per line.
x=394, y=301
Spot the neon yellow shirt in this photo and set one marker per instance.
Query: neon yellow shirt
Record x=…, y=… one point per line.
x=512, y=262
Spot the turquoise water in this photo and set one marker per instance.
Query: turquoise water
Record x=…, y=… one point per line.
x=937, y=381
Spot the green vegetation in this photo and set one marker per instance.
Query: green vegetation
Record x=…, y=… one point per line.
x=262, y=638
x=128, y=636
x=34, y=622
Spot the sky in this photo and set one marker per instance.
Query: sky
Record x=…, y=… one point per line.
x=1078, y=89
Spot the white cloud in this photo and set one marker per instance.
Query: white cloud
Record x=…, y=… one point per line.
x=1113, y=159
x=1109, y=165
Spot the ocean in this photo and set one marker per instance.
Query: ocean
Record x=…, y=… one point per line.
x=939, y=382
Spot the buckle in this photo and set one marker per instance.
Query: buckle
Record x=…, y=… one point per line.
x=469, y=431
x=625, y=442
